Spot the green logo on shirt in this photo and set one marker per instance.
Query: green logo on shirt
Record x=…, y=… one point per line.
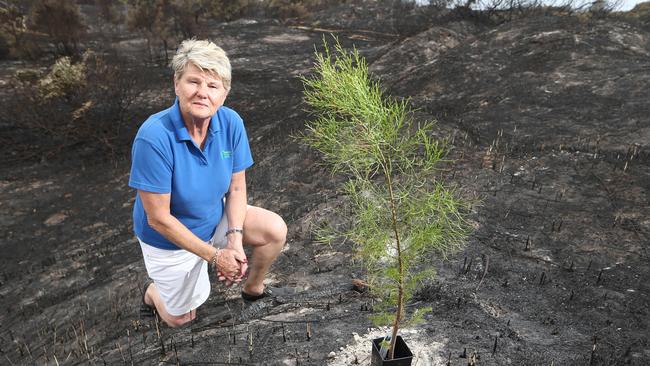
x=225, y=154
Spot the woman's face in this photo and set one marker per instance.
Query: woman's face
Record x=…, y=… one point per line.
x=199, y=93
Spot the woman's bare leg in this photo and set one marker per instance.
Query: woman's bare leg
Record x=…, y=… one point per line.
x=266, y=233
x=152, y=297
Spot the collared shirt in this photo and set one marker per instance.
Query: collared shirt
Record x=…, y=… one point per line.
x=165, y=159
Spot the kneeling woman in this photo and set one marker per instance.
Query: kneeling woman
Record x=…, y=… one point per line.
x=188, y=166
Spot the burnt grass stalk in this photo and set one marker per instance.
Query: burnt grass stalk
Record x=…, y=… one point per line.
x=402, y=210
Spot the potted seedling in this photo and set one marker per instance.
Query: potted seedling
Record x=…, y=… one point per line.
x=402, y=213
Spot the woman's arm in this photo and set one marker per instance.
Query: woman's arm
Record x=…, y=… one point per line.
x=236, y=213
x=159, y=217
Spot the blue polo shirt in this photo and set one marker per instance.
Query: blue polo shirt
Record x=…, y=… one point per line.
x=166, y=160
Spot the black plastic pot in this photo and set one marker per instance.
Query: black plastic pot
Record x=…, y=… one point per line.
x=402, y=355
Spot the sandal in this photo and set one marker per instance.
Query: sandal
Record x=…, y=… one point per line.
x=269, y=292
x=147, y=311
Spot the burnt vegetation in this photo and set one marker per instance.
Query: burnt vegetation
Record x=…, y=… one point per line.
x=544, y=109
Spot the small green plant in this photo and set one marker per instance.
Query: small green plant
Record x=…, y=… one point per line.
x=402, y=213
x=64, y=80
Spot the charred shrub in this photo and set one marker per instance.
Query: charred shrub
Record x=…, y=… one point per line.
x=165, y=22
x=84, y=103
x=108, y=12
x=296, y=9
x=639, y=14
x=227, y=10
x=14, y=40
x=109, y=94
x=494, y=12
x=285, y=9
x=61, y=21
x=4, y=48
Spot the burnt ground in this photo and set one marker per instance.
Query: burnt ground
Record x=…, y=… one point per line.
x=548, y=121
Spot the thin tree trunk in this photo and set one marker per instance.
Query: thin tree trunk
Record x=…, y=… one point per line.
x=400, y=294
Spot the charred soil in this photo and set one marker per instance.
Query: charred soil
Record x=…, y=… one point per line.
x=548, y=121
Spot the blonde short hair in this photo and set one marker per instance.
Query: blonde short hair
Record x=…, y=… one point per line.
x=205, y=55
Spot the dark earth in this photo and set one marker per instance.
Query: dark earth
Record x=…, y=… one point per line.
x=548, y=118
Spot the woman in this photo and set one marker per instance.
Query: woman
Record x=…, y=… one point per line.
x=188, y=166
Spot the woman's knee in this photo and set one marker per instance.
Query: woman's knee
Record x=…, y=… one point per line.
x=278, y=230
x=178, y=321
x=265, y=227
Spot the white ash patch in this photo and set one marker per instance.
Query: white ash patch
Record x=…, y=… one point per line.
x=426, y=351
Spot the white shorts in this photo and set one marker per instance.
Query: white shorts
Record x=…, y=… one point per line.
x=181, y=277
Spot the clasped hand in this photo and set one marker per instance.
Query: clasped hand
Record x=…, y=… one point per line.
x=231, y=265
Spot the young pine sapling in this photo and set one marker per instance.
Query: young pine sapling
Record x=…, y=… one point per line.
x=402, y=213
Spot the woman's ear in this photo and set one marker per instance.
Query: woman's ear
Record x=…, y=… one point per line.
x=175, y=85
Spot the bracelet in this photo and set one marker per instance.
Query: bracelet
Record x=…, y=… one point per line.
x=234, y=230
x=213, y=260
